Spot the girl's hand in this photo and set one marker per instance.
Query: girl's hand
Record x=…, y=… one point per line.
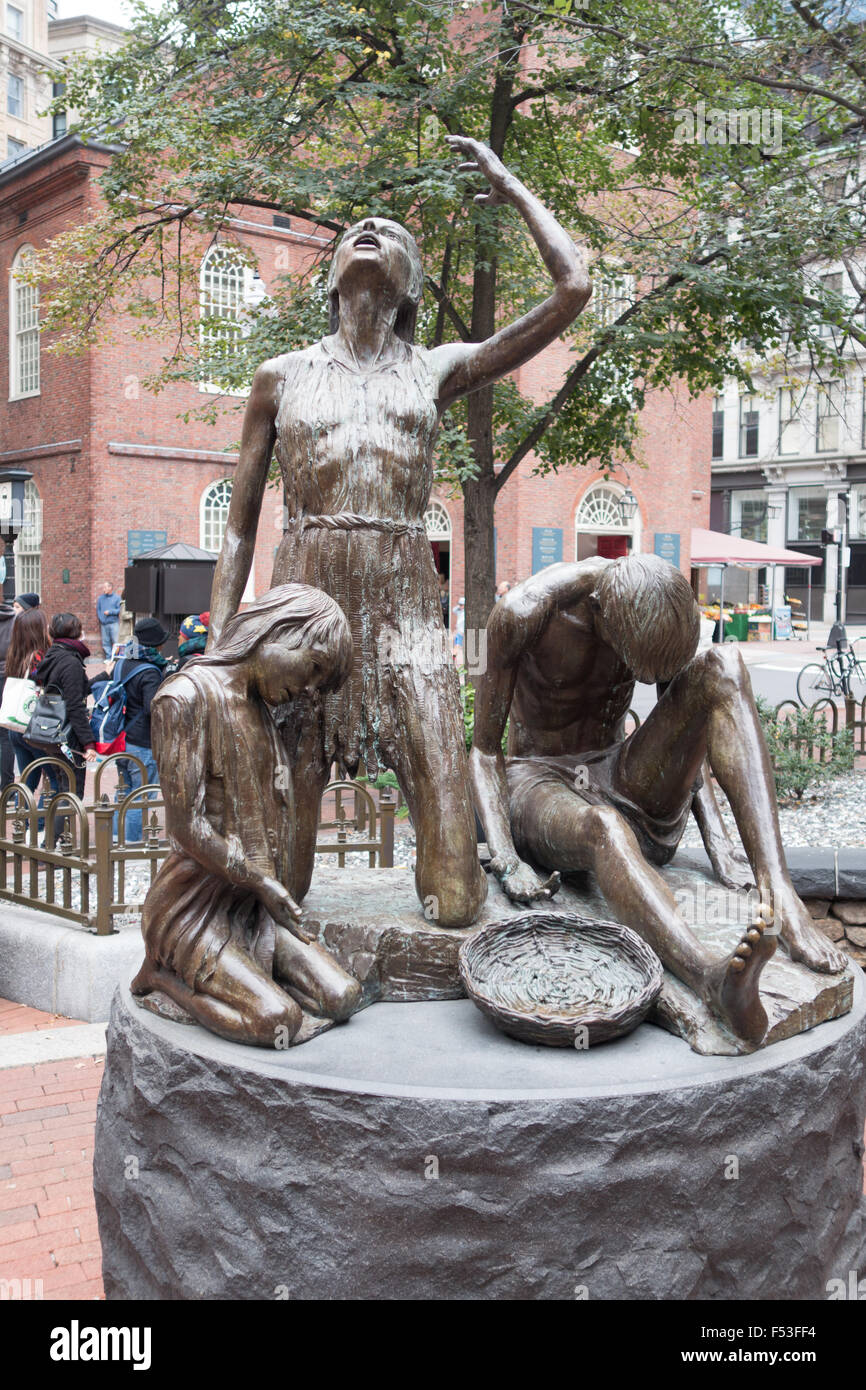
x=482, y=160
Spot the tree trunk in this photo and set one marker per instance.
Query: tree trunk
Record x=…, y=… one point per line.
x=479, y=500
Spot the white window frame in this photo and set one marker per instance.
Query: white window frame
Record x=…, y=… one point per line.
x=789, y=423
x=19, y=36
x=23, y=297
x=28, y=546
x=829, y=414
x=15, y=78
x=240, y=292
x=206, y=533
x=748, y=406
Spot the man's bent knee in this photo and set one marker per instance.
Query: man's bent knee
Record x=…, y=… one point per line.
x=720, y=667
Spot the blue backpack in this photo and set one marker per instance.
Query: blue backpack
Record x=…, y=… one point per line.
x=108, y=718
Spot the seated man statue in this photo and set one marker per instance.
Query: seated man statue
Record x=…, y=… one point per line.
x=224, y=945
x=564, y=650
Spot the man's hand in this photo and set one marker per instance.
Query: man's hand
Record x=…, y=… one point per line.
x=730, y=865
x=482, y=160
x=283, y=908
x=520, y=883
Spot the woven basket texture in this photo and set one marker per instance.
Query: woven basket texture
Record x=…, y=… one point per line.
x=561, y=979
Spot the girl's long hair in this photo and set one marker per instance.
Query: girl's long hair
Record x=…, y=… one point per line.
x=29, y=639
x=296, y=615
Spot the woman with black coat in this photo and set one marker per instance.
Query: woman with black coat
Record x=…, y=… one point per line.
x=63, y=668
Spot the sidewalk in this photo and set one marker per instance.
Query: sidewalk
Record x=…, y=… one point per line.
x=798, y=652
x=48, y=1233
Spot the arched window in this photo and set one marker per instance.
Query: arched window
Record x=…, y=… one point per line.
x=28, y=547
x=600, y=510
x=600, y=526
x=214, y=514
x=23, y=331
x=229, y=291
x=437, y=522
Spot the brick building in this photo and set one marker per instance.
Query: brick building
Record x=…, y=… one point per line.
x=116, y=470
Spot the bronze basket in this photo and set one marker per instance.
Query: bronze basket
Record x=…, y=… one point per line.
x=561, y=979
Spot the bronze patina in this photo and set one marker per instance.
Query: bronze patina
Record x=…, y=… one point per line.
x=221, y=924
x=353, y=421
x=564, y=650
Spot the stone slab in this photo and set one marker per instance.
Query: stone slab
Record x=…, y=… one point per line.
x=417, y=1153
x=373, y=924
x=816, y=873
x=40, y=1045
x=50, y=964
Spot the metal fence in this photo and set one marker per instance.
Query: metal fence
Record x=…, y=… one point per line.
x=70, y=858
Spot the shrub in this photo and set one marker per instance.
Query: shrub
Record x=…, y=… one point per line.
x=803, y=750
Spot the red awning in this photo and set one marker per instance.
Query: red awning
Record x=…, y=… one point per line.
x=715, y=548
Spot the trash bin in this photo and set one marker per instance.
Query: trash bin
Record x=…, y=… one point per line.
x=738, y=626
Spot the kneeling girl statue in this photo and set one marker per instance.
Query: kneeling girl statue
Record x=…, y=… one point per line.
x=221, y=926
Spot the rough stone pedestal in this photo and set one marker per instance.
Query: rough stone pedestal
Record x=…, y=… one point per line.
x=417, y=1153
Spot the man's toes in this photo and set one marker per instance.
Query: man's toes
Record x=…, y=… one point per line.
x=737, y=964
x=744, y=949
x=753, y=935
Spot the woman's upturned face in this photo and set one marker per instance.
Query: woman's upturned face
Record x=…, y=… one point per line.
x=281, y=673
x=377, y=242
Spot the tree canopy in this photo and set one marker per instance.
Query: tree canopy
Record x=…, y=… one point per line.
x=710, y=169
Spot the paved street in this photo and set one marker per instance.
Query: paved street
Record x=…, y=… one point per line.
x=773, y=666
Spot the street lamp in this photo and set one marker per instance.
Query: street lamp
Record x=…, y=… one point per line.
x=13, y=485
x=628, y=507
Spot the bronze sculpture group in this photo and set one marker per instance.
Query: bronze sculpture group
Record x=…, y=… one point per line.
x=346, y=660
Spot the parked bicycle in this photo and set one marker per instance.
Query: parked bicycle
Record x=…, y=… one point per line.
x=841, y=673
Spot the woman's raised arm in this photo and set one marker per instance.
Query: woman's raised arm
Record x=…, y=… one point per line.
x=464, y=367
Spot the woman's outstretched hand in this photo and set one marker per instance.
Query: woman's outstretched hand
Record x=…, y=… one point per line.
x=283, y=908
x=480, y=159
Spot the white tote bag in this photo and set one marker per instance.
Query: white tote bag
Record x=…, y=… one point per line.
x=19, y=697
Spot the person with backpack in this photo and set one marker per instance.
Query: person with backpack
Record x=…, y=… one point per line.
x=8, y=615
x=141, y=677
x=29, y=642
x=62, y=670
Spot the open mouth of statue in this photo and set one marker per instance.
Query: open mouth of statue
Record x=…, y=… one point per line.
x=367, y=239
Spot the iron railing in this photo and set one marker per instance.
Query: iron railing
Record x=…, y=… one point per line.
x=70, y=859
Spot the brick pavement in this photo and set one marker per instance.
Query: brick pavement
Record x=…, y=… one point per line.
x=48, y=1227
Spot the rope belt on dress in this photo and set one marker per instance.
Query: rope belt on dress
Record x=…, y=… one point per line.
x=351, y=521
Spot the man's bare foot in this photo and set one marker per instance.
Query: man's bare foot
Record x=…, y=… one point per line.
x=804, y=940
x=732, y=987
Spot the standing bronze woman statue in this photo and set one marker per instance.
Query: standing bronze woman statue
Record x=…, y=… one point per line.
x=220, y=923
x=353, y=422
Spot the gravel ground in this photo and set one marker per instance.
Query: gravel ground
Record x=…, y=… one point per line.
x=833, y=815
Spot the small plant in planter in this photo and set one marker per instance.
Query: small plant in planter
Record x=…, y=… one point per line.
x=803, y=751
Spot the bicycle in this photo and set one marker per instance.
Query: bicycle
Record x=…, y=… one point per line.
x=842, y=672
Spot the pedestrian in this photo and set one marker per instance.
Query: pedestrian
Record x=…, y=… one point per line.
x=459, y=629
x=192, y=638
x=28, y=645
x=444, y=599
x=23, y=603
x=108, y=607
x=141, y=676
x=8, y=614
x=62, y=667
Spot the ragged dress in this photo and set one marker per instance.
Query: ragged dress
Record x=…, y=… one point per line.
x=230, y=764
x=355, y=447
